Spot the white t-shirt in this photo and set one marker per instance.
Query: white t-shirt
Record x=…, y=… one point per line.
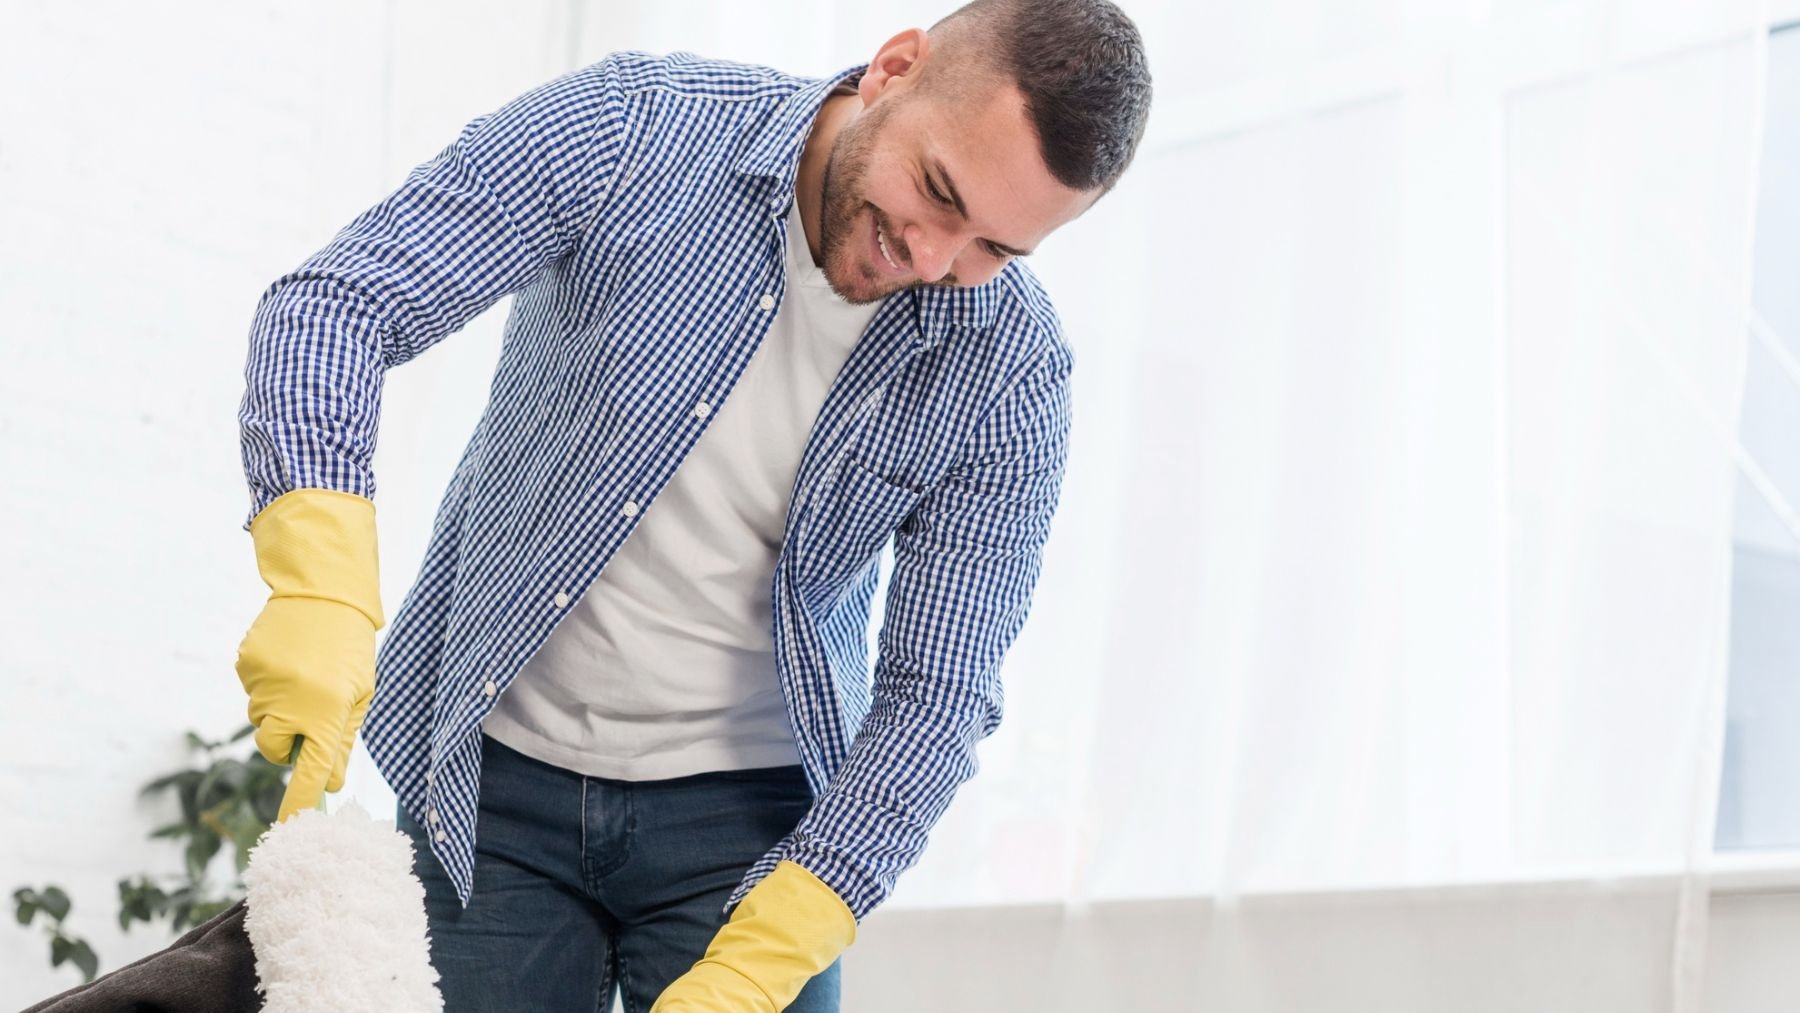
x=666, y=666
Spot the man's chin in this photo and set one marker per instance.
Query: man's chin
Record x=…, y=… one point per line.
x=852, y=287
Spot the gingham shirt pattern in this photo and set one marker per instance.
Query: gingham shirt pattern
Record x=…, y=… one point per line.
x=636, y=208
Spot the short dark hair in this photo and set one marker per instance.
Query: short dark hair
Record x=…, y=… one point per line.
x=1081, y=67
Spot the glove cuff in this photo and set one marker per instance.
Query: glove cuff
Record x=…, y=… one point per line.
x=792, y=886
x=320, y=543
x=787, y=929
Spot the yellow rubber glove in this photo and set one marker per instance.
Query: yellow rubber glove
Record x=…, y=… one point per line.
x=789, y=927
x=308, y=661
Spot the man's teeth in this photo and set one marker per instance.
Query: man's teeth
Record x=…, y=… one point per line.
x=881, y=240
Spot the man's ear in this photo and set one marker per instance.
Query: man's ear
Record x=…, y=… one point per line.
x=896, y=65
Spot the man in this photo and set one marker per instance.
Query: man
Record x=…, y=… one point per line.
x=763, y=325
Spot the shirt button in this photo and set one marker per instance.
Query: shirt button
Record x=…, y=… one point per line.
x=490, y=689
x=630, y=508
x=561, y=600
x=702, y=410
x=434, y=817
x=767, y=302
x=441, y=835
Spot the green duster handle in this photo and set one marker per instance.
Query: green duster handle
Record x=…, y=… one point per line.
x=294, y=757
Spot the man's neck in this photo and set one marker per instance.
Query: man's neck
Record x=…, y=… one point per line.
x=838, y=109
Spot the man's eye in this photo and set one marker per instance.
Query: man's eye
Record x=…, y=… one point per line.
x=996, y=252
x=931, y=188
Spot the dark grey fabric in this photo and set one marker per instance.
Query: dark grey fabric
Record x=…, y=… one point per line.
x=211, y=969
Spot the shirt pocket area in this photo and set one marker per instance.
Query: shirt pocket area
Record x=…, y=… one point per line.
x=851, y=522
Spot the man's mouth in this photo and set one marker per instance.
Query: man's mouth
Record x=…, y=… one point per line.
x=881, y=241
x=881, y=246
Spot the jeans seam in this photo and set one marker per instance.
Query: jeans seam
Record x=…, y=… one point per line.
x=586, y=885
x=625, y=983
x=603, y=1001
x=630, y=825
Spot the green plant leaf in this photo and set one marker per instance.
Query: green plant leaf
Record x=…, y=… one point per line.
x=243, y=733
x=83, y=956
x=223, y=782
x=207, y=781
x=181, y=901
x=26, y=910
x=188, y=783
x=59, y=949
x=141, y=900
x=267, y=801
x=55, y=901
x=246, y=830
x=206, y=910
x=161, y=783
x=200, y=850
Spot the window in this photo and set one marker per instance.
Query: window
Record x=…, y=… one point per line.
x=1759, y=793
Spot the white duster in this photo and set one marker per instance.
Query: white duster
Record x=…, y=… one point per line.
x=337, y=918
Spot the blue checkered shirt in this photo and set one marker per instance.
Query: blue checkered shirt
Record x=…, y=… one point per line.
x=636, y=207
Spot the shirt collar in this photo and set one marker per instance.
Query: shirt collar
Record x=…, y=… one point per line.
x=774, y=154
x=775, y=151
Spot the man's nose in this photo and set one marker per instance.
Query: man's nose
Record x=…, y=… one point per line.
x=932, y=255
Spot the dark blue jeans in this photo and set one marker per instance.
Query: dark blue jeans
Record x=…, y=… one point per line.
x=584, y=885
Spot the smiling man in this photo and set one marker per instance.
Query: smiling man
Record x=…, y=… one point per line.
x=764, y=326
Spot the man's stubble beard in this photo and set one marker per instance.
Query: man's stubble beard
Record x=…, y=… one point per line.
x=841, y=201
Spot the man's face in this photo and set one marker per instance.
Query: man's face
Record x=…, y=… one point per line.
x=915, y=193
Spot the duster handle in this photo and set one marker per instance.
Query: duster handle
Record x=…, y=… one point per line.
x=294, y=757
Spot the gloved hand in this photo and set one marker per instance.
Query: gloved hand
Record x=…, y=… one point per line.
x=308, y=661
x=789, y=927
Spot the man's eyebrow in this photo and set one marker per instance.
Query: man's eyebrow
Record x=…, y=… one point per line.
x=956, y=199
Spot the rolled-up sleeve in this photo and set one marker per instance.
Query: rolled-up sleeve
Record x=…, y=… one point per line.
x=966, y=561
x=509, y=196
